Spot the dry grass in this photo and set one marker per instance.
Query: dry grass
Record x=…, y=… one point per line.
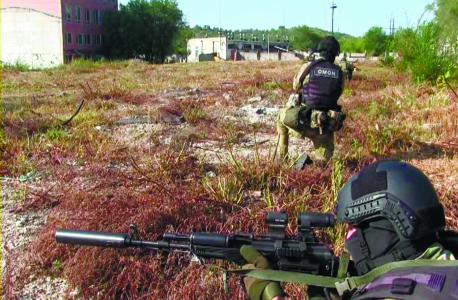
x=101, y=176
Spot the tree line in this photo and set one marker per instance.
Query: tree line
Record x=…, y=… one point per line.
x=154, y=29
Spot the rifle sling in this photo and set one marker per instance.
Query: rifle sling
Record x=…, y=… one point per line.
x=341, y=285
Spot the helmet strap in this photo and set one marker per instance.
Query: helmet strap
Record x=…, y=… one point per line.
x=367, y=264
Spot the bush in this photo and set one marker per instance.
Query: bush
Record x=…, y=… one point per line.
x=85, y=65
x=424, y=53
x=387, y=60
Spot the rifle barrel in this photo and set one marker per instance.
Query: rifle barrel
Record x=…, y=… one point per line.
x=91, y=238
x=113, y=240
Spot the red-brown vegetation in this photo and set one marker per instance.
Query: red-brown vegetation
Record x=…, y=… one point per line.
x=97, y=177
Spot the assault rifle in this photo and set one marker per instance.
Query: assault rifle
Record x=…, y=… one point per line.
x=302, y=253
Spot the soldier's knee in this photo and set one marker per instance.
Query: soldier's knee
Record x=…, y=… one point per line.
x=281, y=128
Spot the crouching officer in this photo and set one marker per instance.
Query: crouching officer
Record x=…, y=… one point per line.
x=313, y=111
x=395, y=237
x=347, y=67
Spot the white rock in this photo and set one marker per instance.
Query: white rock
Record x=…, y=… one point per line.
x=211, y=174
x=254, y=99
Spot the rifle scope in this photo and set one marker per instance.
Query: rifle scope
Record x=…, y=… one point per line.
x=311, y=219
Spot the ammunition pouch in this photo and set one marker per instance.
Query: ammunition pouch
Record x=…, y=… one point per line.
x=335, y=120
x=328, y=121
x=300, y=117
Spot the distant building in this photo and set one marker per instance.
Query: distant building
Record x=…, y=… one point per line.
x=227, y=48
x=82, y=26
x=44, y=34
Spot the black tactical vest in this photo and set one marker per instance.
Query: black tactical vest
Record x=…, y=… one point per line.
x=325, y=85
x=419, y=283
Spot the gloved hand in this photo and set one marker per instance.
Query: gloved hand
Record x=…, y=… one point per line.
x=259, y=289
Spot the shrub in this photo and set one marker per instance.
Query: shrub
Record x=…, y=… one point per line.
x=387, y=60
x=84, y=65
x=424, y=53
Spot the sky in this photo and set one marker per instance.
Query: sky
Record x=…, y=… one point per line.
x=353, y=17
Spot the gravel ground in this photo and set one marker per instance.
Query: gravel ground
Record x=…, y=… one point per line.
x=20, y=226
x=18, y=229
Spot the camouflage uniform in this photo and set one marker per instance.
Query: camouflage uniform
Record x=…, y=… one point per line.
x=435, y=252
x=347, y=67
x=323, y=143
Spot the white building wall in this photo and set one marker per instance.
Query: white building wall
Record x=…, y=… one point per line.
x=207, y=46
x=265, y=56
x=31, y=37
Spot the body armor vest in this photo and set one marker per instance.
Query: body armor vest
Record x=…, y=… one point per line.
x=430, y=282
x=325, y=85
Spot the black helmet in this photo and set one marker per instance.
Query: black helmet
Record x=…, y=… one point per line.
x=395, y=191
x=329, y=45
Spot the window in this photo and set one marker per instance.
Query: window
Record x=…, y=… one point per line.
x=95, y=14
x=80, y=39
x=68, y=13
x=88, y=39
x=78, y=14
x=67, y=38
x=68, y=59
x=98, y=40
x=98, y=16
x=87, y=16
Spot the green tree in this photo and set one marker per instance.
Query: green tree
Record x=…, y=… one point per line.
x=181, y=41
x=142, y=28
x=447, y=18
x=351, y=44
x=374, y=40
x=305, y=38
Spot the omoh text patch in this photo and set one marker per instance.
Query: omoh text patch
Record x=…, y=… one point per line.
x=324, y=72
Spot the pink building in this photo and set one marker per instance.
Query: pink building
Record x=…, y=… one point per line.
x=47, y=33
x=82, y=26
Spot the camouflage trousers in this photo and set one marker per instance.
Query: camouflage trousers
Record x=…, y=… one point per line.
x=323, y=143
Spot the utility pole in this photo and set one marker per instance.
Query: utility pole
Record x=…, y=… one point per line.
x=220, y=30
x=268, y=45
x=333, y=6
x=391, y=28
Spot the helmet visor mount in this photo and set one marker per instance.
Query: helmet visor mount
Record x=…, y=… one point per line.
x=383, y=205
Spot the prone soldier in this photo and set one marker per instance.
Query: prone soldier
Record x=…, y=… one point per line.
x=395, y=237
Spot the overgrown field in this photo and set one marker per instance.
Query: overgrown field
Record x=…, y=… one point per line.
x=178, y=148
